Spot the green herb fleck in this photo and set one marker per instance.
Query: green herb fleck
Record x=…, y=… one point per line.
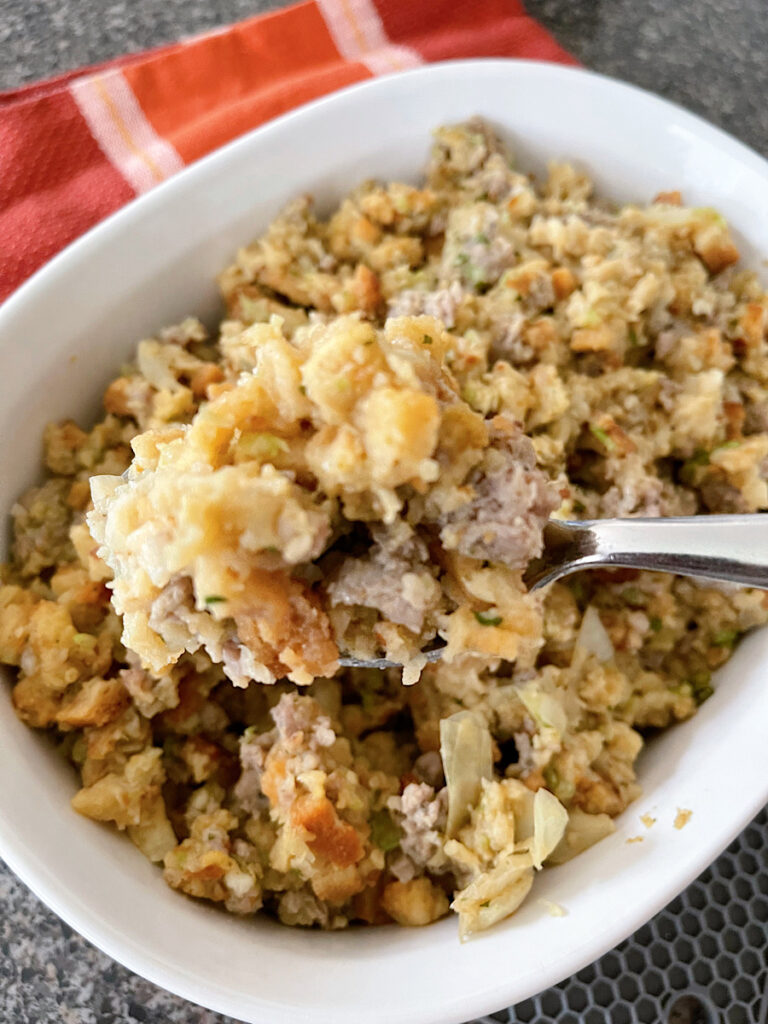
x=579, y=507
x=591, y=319
x=633, y=339
x=724, y=447
x=682, y=689
x=563, y=789
x=214, y=599
x=261, y=445
x=725, y=638
x=461, y=259
x=655, y=623
x=634, y=597
x=689, y=467
x=84, y=640
x=483, y=239
x=384, y=832
x=253, y=310
x=488, y=620
x=79, y=750
x=711, y=214
x=700, y=686
x=427, y=340
x=608, y=443
x=476, y=276
x=302, y=389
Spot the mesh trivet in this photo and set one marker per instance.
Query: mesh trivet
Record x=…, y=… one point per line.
x=702, y=960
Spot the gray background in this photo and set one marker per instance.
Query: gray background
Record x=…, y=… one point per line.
x=709, y=55
x=706, y=54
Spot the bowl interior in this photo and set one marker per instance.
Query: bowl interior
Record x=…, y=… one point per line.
x=63, y=337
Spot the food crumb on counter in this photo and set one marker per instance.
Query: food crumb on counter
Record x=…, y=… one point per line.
x=682, y=817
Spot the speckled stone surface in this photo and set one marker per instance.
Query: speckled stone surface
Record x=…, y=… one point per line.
x=706, y=54
x=50, y=975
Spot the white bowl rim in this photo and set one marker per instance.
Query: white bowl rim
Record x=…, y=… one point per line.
x=26, y=862
x=103, y=229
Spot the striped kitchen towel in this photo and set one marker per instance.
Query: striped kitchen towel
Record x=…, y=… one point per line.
x=77, y=147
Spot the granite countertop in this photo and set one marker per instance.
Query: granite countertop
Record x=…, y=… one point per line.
x=708, y=55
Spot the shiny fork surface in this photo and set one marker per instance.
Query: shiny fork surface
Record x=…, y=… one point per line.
x=432, y=653
x=728, y=549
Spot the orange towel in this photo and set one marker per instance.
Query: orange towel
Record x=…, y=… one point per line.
x=75, y=148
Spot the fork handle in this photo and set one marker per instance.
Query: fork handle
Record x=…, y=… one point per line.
x=730, y=548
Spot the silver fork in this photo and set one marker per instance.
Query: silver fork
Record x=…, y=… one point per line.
x=728, y=549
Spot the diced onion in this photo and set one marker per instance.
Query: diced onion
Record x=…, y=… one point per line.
x=593, y=636
x=466, y=750
x=583, y=831
x=494, y=896
x=550, y=819
x=544, y=708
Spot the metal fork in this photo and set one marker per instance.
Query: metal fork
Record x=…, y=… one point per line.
x=728, y=549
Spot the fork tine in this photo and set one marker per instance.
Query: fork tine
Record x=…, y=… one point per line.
x=432, y=654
